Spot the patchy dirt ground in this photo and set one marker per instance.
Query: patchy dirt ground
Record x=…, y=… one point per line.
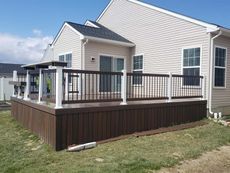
x=217, y=161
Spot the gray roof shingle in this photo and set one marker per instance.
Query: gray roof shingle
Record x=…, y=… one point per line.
x=100, y=32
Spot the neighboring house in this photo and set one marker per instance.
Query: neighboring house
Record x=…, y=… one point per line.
x=143, y=38
x=6, y=75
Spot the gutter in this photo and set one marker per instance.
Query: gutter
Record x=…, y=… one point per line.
x=102, y=40
x=211, y=76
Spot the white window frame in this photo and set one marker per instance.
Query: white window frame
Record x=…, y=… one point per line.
x=214, y=72
x=184, y=67
x=64, y=54
x=141, y=54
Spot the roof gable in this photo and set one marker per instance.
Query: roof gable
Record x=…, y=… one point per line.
x=210, y=27
x=94, y=31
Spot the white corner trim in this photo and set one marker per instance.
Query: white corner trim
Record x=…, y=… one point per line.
x=120, y=43
x=211, y=27
x=110, y=3
x=62, y=28
x=89, y=23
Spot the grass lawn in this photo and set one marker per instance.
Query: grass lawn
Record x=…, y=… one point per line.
x=20, y=151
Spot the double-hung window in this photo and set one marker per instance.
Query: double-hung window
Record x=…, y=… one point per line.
x=220, y=66
x=191, y=66
x=66, y=58
x=137, y=69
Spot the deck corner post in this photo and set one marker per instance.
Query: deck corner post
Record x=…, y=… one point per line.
x=15, y=79
x=27, y=89
x=59, y=87
x=170, y=87
x=40, y=86
x=203, y=87
x=124, y=88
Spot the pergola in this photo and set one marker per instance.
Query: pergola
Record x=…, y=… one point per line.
x=59, y=77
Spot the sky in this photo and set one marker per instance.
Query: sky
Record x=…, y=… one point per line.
x=28, y=26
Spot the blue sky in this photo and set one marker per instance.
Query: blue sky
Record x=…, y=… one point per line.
x=39, y=20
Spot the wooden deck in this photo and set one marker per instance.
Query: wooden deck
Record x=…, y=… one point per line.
x=88, y=122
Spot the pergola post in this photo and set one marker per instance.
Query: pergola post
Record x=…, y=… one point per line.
x=59, y=87
x=27, y=89
x=40, y=89
x=15, y=78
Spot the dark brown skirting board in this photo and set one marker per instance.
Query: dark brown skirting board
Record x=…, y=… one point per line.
x=157, y=131
x=77, y=125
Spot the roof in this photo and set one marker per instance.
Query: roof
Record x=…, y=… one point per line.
x=98, y=32
x=7, y=69
x=44, y=64
x=210, y=26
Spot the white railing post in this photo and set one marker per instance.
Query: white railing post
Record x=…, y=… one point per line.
x=40, y=89
x=2, y=89
x=15, y=79
x=124, y=88
x=59, y=89
x=27, y=89
x=203, y=87
x=66, y=84
x=170, y=87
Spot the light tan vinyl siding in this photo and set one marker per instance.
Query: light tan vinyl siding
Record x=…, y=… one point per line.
x=69, y=41
x=95, y=49
x=221, y=97
x=158, y=36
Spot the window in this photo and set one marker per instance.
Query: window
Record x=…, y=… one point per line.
x=220, y=66
x=191, y=66
x=66, y=58
x=138, y=69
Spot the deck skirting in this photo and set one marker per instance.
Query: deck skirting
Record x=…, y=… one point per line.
x=64, y=127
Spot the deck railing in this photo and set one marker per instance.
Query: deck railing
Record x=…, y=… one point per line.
x=143, y=86
x=91, y=86
x=187, y=86
x=67, y=86
x=49, y=85
x=82, y=86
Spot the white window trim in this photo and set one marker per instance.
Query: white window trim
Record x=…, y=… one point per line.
x=64, y=54
x=140, y=54
x=113, y=56
x=182, y=63
x=226, y=61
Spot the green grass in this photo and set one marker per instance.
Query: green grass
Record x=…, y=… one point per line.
x=20, y=151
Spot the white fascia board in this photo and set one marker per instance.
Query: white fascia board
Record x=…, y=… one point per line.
x=60, y=32
x=189, y=19
x=104, y=10
x=88, y=23
x=120, y=43
x=226, y=32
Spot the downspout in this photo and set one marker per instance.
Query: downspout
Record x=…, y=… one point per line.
x=211, y=71
x=83, y=54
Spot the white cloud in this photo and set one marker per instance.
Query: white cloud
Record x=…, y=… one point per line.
x=37, y=32
x=14, y=49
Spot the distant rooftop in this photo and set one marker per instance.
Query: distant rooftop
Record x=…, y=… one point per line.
x=6, y=69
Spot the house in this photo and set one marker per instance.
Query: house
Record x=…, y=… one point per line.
x=143, y=38
x=6, y=75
